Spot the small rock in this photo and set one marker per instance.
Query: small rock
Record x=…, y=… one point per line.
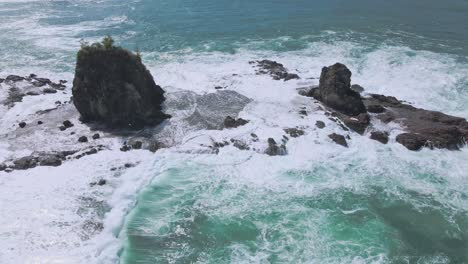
x=22, y=124
x=380, y=136
x=357, y=88
x=14, y=78
x=275, y=150
x=62, y=128
x=125, y=148
x=50, y=160
x=294, y=132
x=303, y=112
x=101, y=182
x=83, y=139
x=377, y=109
x=91, y=151
x=40, y=122
x=2, y=167
x=338, y=139
x=32, y=93
x=137, y=145
x=67, y=124
x=320, y=124
x=25, y=163
x=96, y=136
x=49, y=91
x=230, y=122
x=240, y=144
x=129, y=165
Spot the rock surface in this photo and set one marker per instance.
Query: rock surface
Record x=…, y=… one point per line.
x=274, y=149
x=231, y=122
x=112, y=86
x=380, y=136
x=338, y=139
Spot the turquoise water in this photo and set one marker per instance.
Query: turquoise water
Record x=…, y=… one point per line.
x=376, y=204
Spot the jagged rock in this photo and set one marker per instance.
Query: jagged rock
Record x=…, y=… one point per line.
x=125, y=148
x=96, y=136
x=112, y=86
x=423, y=127
x=50, y=160
x=320, y=124
x=275, y=69
x=240, y=144
x=40, y=122
x=22, y=124
x=274, y=150
x=380, y=136
x=67, y=124
x=230, y=122
x=338, y=139
x=82, y=139
x=101, y=182
x=136, y=144
x=357, y=88
x=294, y=132
x=335, y=91
x=358, y=123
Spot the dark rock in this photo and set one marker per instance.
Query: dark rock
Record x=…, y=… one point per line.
x=274, y=150
x=96, y=136
x=83, y=139
x=49, y=91
x=40, y=122
x=303, y=112
x=240, y=144
x=375, y=108
x=380, y=136
x=22, y=124
x=25, y=163
x=230, y=122
x=125, y=148
x=2, y=80
x=42, y=80
x=101, y=182
x=275, y=69
x=62, y=128
x=67, y=124
x=137, y=144
x=2, y=167
x=294, y=132
x=112, y=86
x=14, y=78
x=154, y=146
x=358, y=123
x=32, y=93
x=335, y=91
x=320, y=124
x=72, y=133
x=91, y=151
x=219, y=87
x=338, y=139
x=423, y=127
x=38, y=84
x=57, y=86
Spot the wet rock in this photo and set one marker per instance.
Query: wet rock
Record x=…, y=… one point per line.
x=112, y=86
x=154, y=146
x=82, y=139
x=101, y=182
x=32, y=93
x=357, y=88
x=240, y=144
x=320, y=124
x=136, y=145
x=91, y=151
x=275, y=69
x=294, y=132
x=358, y=123
x=67, y=124
x=96, y=136
x=14, y=78
x=380, y=136
x=62, y=128
x=2, y=167
x=423, y=128
x=335, y=91
x=49, y=91
x=230, y=122
x=22, y=124
x=40, y=122
x=274, y=150
x=25, y=163
x=2, y=80
x=338, y=139
x=125, y=148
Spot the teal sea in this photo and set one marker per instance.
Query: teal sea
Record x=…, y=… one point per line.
x=368, y=204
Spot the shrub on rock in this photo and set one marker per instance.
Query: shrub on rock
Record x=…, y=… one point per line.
x=112, y=86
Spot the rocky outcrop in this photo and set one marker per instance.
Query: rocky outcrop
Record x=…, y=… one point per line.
x=275, y=69
x=423, y=128
x=335, y=91
x=338, y=139
x=112, y=86
x=380, y=136
x=274, y=149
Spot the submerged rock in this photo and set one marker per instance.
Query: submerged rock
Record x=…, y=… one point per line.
x=380, y=136
x=275, y=69
x=112, y=86
x=274, y=150
x=338, y=139
x=231, y=122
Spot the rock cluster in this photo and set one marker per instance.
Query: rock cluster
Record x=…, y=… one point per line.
x=112, y=86
x=275, y=69
x=231, y=122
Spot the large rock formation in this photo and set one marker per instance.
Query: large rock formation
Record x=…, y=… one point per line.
x=335, y=91
x=113, y=86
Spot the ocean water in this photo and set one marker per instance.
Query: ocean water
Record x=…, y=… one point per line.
x=321, y=203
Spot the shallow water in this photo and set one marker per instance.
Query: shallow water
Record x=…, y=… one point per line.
x=319, y=204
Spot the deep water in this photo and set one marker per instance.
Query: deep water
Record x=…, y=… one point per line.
x=320, y=204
